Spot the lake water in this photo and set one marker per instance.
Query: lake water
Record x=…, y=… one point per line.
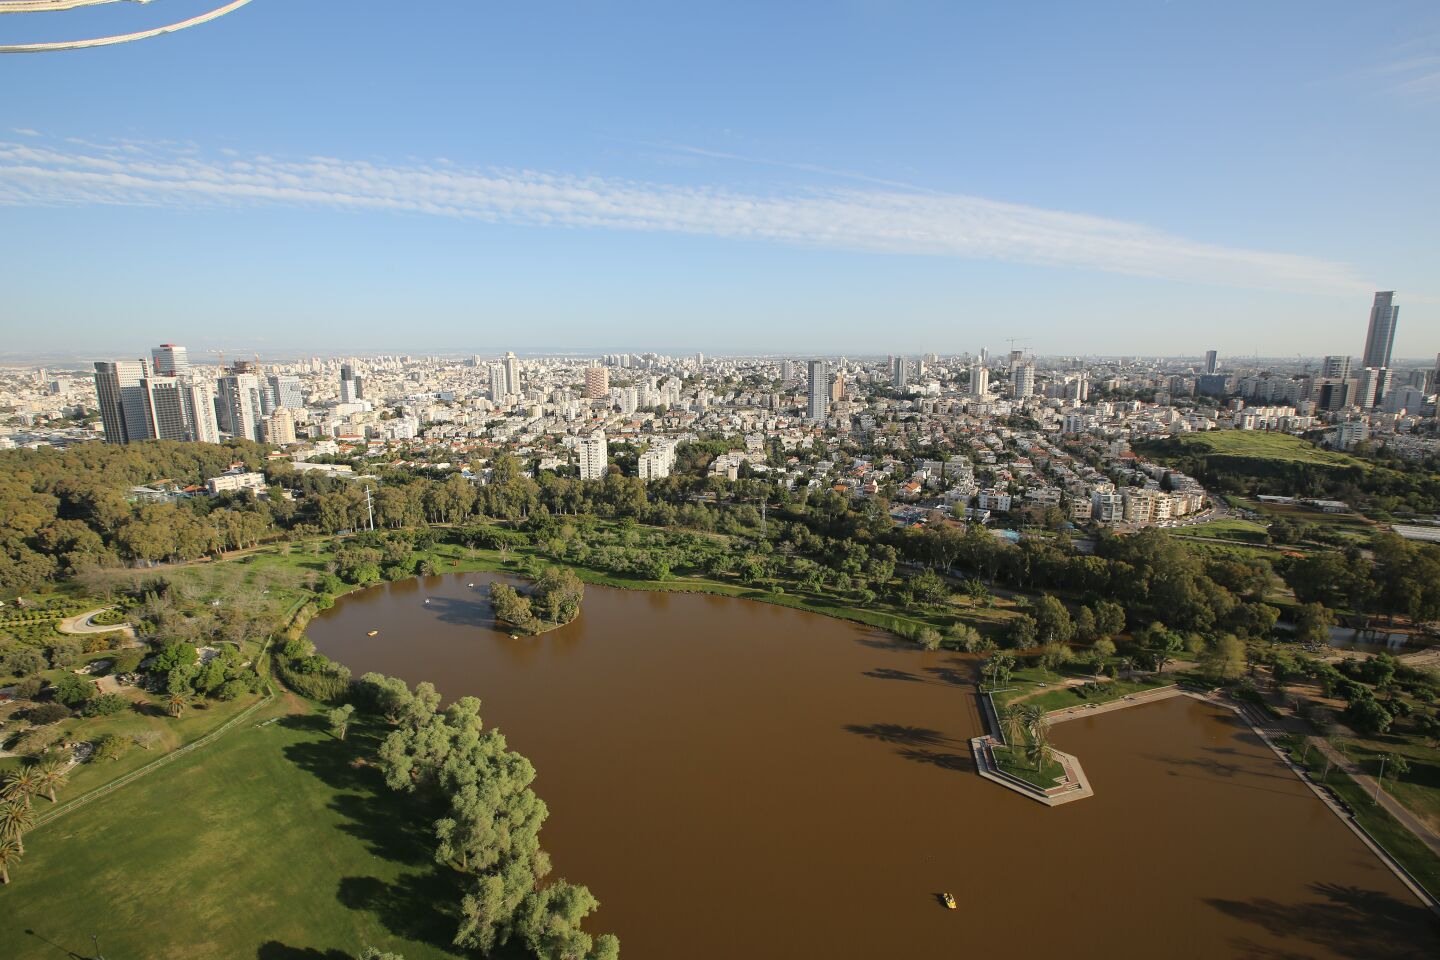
x=734, y=779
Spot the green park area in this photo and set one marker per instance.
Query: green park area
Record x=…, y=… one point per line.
x=274, y=820
x=1243, y=531
x=1259, y=445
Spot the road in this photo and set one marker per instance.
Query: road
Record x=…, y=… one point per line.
x=83, y=623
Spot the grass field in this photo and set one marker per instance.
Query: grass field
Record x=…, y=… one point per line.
x=1264, y=446
x=1244, y=531
x=1418, y=788
x=267, y=843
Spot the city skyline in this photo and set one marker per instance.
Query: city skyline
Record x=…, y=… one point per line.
x=1101, y=187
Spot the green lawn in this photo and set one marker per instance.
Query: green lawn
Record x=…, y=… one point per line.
x=1017, y=766
x=1245, y=531
x=1064, y=697
x=1419, y=787
x=1264, y=446
x=267, y=843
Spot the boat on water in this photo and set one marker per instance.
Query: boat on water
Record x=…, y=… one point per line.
x=949, y=899
x=372, y=633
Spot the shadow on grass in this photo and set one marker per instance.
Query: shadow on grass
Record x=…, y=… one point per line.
x=59, y=950
x=1347, y=921
x=394, y=827
x=275, y=950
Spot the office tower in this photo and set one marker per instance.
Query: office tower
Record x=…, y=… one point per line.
x=198, y=396
x=280, y=427
x=359, y=388
x=348, y=392
x=787, y=369
x=699, y=359
x=170, y=360
x=1336, y=368
x=898, y=371
x=512, y=375
x=594, y=456
x=818, y=408
x=597, y=383
x=285, y=392
x=164, y=409
x=979, y=379
x=1369, y=388
x=497, y=382
x=837, y=388
x=1211, y=356
x=1023, y=380
x=116, y=383
x=239, y=407
x=1380, y=338
x=347, y=371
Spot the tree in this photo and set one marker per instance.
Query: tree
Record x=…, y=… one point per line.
x=20, y=786
x=1109, y=618
x=1013, y=723
x=176, y=702
x=928, y=638
x=1224, y=657
x=375, y=953
x=50, y=774
x=1052, y=621
x=106, y=705
x=1021, y=634
x=549, y=921
x=340, y=720
x=1313, y=622
x=71, y=690
x=1053, y=656
x=509, y=606
x=15, y=819
x=1085, y=625
x=10, y=852
x=962, y=636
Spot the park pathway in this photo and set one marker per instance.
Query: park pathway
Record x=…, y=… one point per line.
x=1395, y=808
x=83, y=623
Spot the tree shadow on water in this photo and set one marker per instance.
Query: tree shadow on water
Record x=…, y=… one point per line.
x=889, y=673
x=1345, y=920
x=898, y=733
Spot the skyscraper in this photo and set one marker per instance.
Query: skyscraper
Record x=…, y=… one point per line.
x=1023, y=380
x=170, y=360
x=837, y=387
x=239, y=406
x=512, y=375
x=899, y=370
x=164, y=409
x=818, y=409
x=285, y=392
x=117, y=387
x=787, y=369
x=1380, y=338
x=199, y=399
x=497, y=382
x=1336, y=368
x=1211, y=357
x=979, y=379
x=597, y=383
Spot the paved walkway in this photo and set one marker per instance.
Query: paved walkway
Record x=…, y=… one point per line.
x=83, y=623
x=1395, y=808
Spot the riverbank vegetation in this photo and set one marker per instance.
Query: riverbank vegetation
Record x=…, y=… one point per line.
x=552, y=602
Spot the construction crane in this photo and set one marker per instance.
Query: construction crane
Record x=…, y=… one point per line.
x=48, y=6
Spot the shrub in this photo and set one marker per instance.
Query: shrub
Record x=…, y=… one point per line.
x=21, y=663
x=44, y=713
x=71, y=690
x=32, y=743
x=110, y=747
x=929, y=638
x=106, y=705
x=27, y=689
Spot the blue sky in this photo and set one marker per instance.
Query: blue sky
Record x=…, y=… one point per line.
x=857, y=177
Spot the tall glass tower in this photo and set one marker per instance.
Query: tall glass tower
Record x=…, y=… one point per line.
x=1381, y=336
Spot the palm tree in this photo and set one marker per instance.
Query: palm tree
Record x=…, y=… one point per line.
x=1013, y=723
x=50, y=774
x=176, y=703
x=10, y=852
x=1037, y=726
x=20, y=786
x=14, y=821
x=1039, y=752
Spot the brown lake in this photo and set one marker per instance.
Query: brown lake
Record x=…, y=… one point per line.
x=735, y=779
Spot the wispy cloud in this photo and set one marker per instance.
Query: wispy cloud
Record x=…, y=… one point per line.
x=893, y=221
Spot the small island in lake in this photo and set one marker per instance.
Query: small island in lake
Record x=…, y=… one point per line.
x=553, y=601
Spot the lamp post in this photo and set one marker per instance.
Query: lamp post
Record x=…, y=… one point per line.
x=95, y=938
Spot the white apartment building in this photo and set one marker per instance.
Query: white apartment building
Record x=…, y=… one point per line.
x=230, y=482
x=657, y=462
x=594, y=453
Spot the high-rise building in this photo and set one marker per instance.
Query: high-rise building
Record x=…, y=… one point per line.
x=837, y=387
x=979, y=379
x=1335, y=368
x=497, y=382
x=170, y=360
x=359, y=388
x=164, y=409
x=239, y=407
x=899, y=370
x=787, y=369
x=199, y=399
x=818, y=408
x=280, y=427
x=657, y=462
x=1380, y=338
x=512, y=375
x=285, y=392
x=594, y=454
x=1023, y=380
x=1211, y=360
x=597, y=383
x=118, y=388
